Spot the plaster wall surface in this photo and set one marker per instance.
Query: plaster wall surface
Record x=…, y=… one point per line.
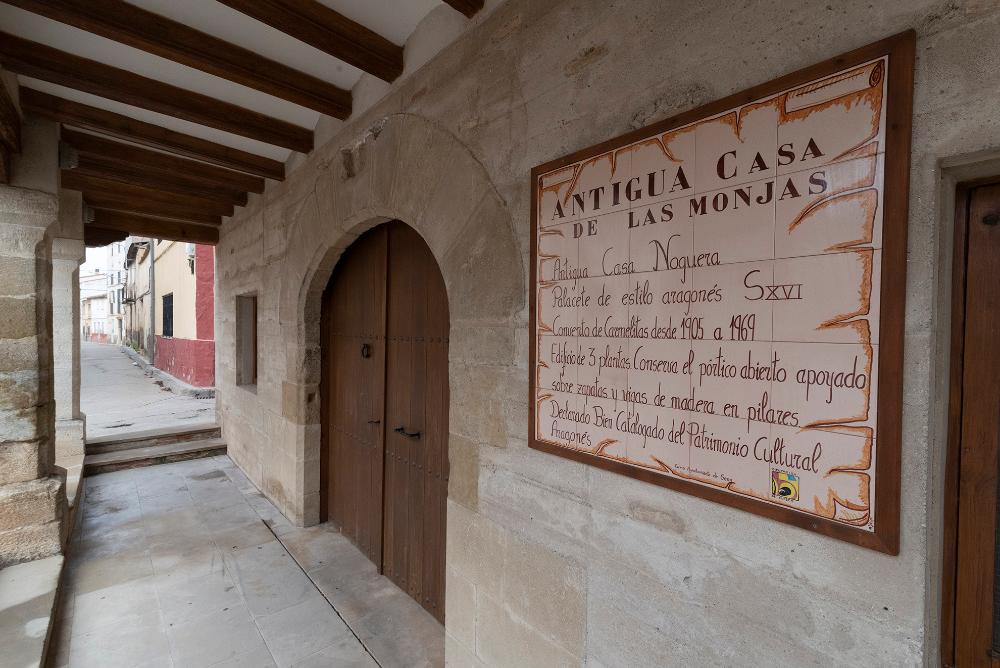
x=185, y=271
x=551, y=562
x=175, y=276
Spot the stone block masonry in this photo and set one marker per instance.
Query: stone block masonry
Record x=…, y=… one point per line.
x=31, y=515
x=32, y=500
x=32, y=494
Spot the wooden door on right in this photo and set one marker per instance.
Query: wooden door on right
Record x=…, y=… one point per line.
x=416, y=408
x=976, y=624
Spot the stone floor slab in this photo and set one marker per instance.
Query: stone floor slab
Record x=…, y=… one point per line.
x=104, y=572
x=346, y=653
x=220, y=636
x=315, y=547
x=241, y=537
x=197, y=597
x=118, y=604
x=139, y=643
x=269, y=578
x=258, y=658
x=188, y=559
x=301, y=630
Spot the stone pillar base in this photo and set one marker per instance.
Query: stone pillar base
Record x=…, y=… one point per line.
x=70, y=437
x=31, y=515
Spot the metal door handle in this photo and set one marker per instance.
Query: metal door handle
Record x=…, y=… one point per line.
x=402, y=430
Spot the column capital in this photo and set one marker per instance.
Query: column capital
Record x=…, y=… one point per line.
x=71, y=215
x=69, y=249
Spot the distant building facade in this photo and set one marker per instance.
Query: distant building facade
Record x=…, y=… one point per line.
x=115, y=319
x=137, y=295
x=102, y=279
x=93, y=298
x=183, y=305
x=94, y=317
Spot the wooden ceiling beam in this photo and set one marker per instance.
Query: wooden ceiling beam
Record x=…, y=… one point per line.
x=139, y=175
x=10, y=122
x=467, y=7
x=43, y=62
x=122, y=22
x=71, y=179
x=157, y=228
x=94, y=236
x=109, y=123
x=329, y=31
x=116, y=202
x=127, y=155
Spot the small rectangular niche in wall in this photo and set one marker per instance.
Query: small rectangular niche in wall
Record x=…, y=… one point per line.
x=246, y=340
x=168, y=314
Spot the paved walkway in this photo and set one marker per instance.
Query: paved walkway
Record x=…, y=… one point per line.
x=188, y=564
x=118, y=397
x=179, y=565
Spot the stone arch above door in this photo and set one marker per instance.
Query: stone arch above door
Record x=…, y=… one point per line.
x=406, y=168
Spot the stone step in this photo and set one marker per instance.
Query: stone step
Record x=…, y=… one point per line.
x=28, y=596
x=152, y=455
x=150, y=437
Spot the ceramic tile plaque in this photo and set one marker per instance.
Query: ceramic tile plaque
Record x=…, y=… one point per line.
x=717, y=300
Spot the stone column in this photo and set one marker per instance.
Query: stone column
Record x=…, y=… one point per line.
x=67, y=255
x=32, y=495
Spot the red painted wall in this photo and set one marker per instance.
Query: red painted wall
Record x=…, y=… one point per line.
x=193, y=360
x=204, y=291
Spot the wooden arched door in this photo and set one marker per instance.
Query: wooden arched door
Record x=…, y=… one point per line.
x=385, y=407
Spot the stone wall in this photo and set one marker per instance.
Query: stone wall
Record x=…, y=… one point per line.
x=551, y=562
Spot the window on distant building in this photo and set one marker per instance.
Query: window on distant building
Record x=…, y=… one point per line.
x=246, y=340
x=168, y=315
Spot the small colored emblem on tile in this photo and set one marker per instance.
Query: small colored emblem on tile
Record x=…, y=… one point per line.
x=784, y=485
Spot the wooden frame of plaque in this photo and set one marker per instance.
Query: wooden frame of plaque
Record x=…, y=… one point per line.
x=651, y=382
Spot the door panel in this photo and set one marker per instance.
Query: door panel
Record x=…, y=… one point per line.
x=355, y=323
x=387, y=483
x=416, y=418
x=976, y=636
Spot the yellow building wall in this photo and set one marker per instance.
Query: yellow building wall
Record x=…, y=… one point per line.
x=173, y=274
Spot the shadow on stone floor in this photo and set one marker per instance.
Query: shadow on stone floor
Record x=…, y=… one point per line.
x=181, y=565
